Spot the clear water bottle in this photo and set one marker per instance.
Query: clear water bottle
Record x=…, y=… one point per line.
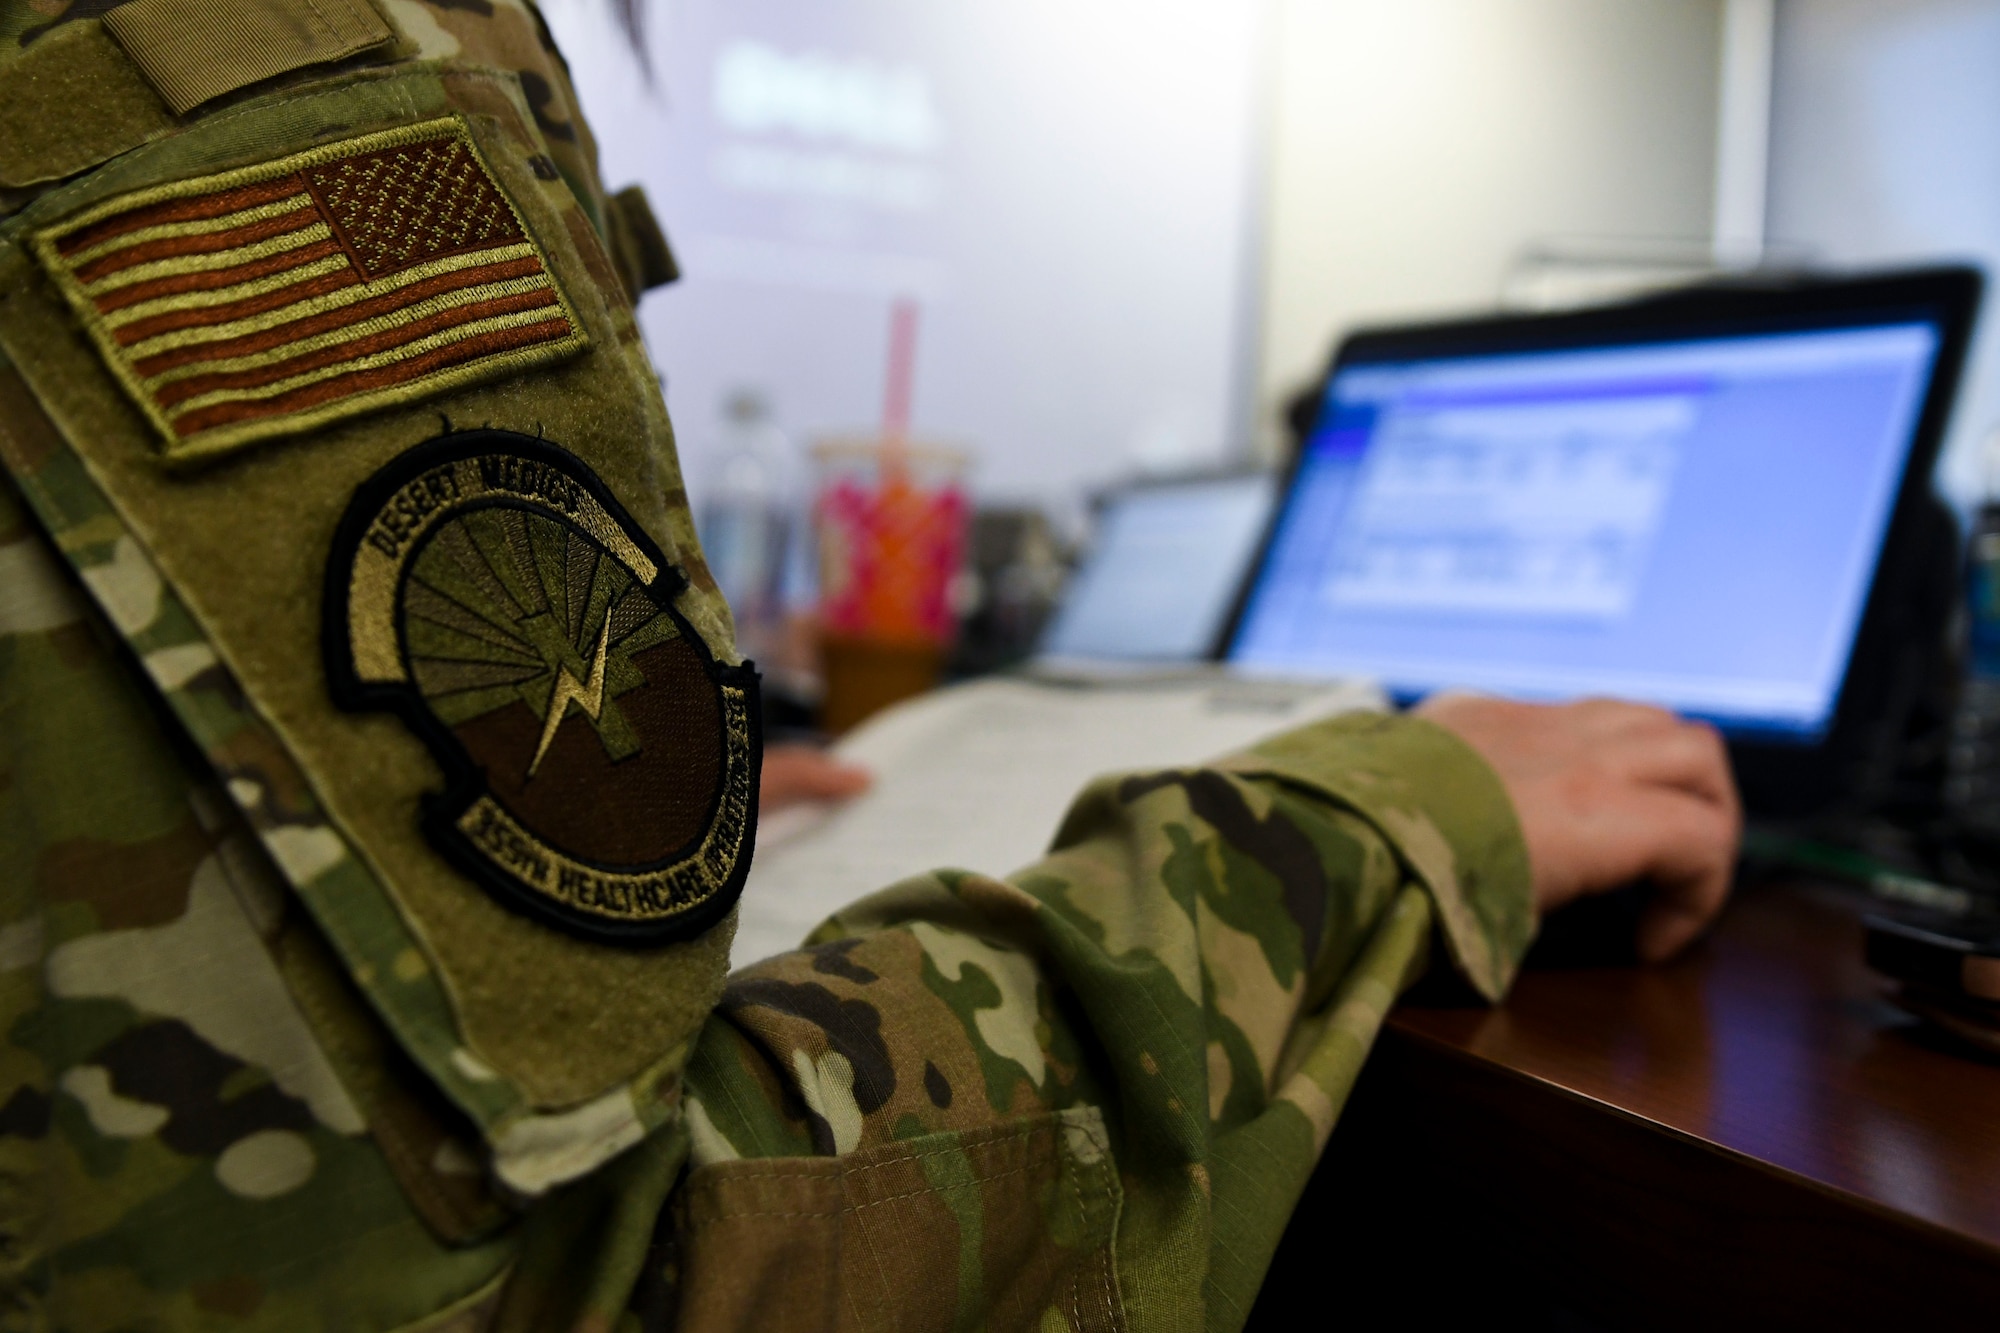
x=746, y=518
x=1972, y=781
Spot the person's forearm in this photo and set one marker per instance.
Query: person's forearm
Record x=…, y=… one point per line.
x=1202, y=959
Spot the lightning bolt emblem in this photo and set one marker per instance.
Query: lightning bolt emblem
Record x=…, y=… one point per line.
x=587, y=694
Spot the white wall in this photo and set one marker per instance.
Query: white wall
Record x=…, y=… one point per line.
x=1138, y=224
x=1885, y=149
x=1419, y=145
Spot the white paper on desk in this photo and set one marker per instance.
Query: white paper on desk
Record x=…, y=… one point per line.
x=979, y=775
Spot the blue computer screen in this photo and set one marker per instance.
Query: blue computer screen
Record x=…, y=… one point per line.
x=1693, y=524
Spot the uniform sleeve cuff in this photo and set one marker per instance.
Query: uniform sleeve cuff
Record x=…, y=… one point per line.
x=1441, y=807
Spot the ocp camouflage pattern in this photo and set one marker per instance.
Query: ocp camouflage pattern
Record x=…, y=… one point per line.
x=550, y=1107
x=1083, y=1096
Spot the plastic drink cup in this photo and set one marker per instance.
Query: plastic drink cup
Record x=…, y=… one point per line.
x=892, y=521
x=892, y=528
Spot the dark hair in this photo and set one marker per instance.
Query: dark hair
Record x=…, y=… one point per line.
x=631, y=16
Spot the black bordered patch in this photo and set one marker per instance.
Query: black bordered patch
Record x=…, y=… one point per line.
x=600, y=764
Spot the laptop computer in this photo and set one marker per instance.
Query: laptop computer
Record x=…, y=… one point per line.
x=1710, y=501
x=1162, y=574
x=1698, y=500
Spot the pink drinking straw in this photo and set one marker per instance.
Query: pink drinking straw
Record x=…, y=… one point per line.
x=902, y=376
x=899, y=541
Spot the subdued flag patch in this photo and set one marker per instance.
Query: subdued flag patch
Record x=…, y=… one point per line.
x=288, y=295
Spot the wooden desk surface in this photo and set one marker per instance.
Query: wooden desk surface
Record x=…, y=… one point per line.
x=1773, y=1042
x=1748, y=1136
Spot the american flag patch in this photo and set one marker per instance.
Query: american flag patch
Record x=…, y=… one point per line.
x=285, y=296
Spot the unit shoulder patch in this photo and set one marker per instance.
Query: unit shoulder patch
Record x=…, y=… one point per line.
x=601, y=765
x=285, y=296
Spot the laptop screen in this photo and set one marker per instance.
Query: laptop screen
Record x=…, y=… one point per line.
x=1693, y=523
x=1166, y=561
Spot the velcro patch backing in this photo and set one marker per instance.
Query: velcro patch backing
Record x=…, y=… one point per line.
x=286, y=296
x=192, y=51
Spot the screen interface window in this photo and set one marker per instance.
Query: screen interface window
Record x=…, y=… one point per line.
x=1692, y=524
x=1167, y=561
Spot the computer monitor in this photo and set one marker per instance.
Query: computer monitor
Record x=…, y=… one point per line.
x=1163, y=569
x=1684, y=501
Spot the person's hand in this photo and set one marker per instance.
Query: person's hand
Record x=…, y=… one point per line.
x=795, y=774
x=1608, y=793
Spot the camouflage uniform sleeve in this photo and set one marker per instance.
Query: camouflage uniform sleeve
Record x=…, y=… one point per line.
x=1089, y=1094
x=238, y=1085
x=179, y=1145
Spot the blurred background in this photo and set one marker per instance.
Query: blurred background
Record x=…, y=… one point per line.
x=1054, y=247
